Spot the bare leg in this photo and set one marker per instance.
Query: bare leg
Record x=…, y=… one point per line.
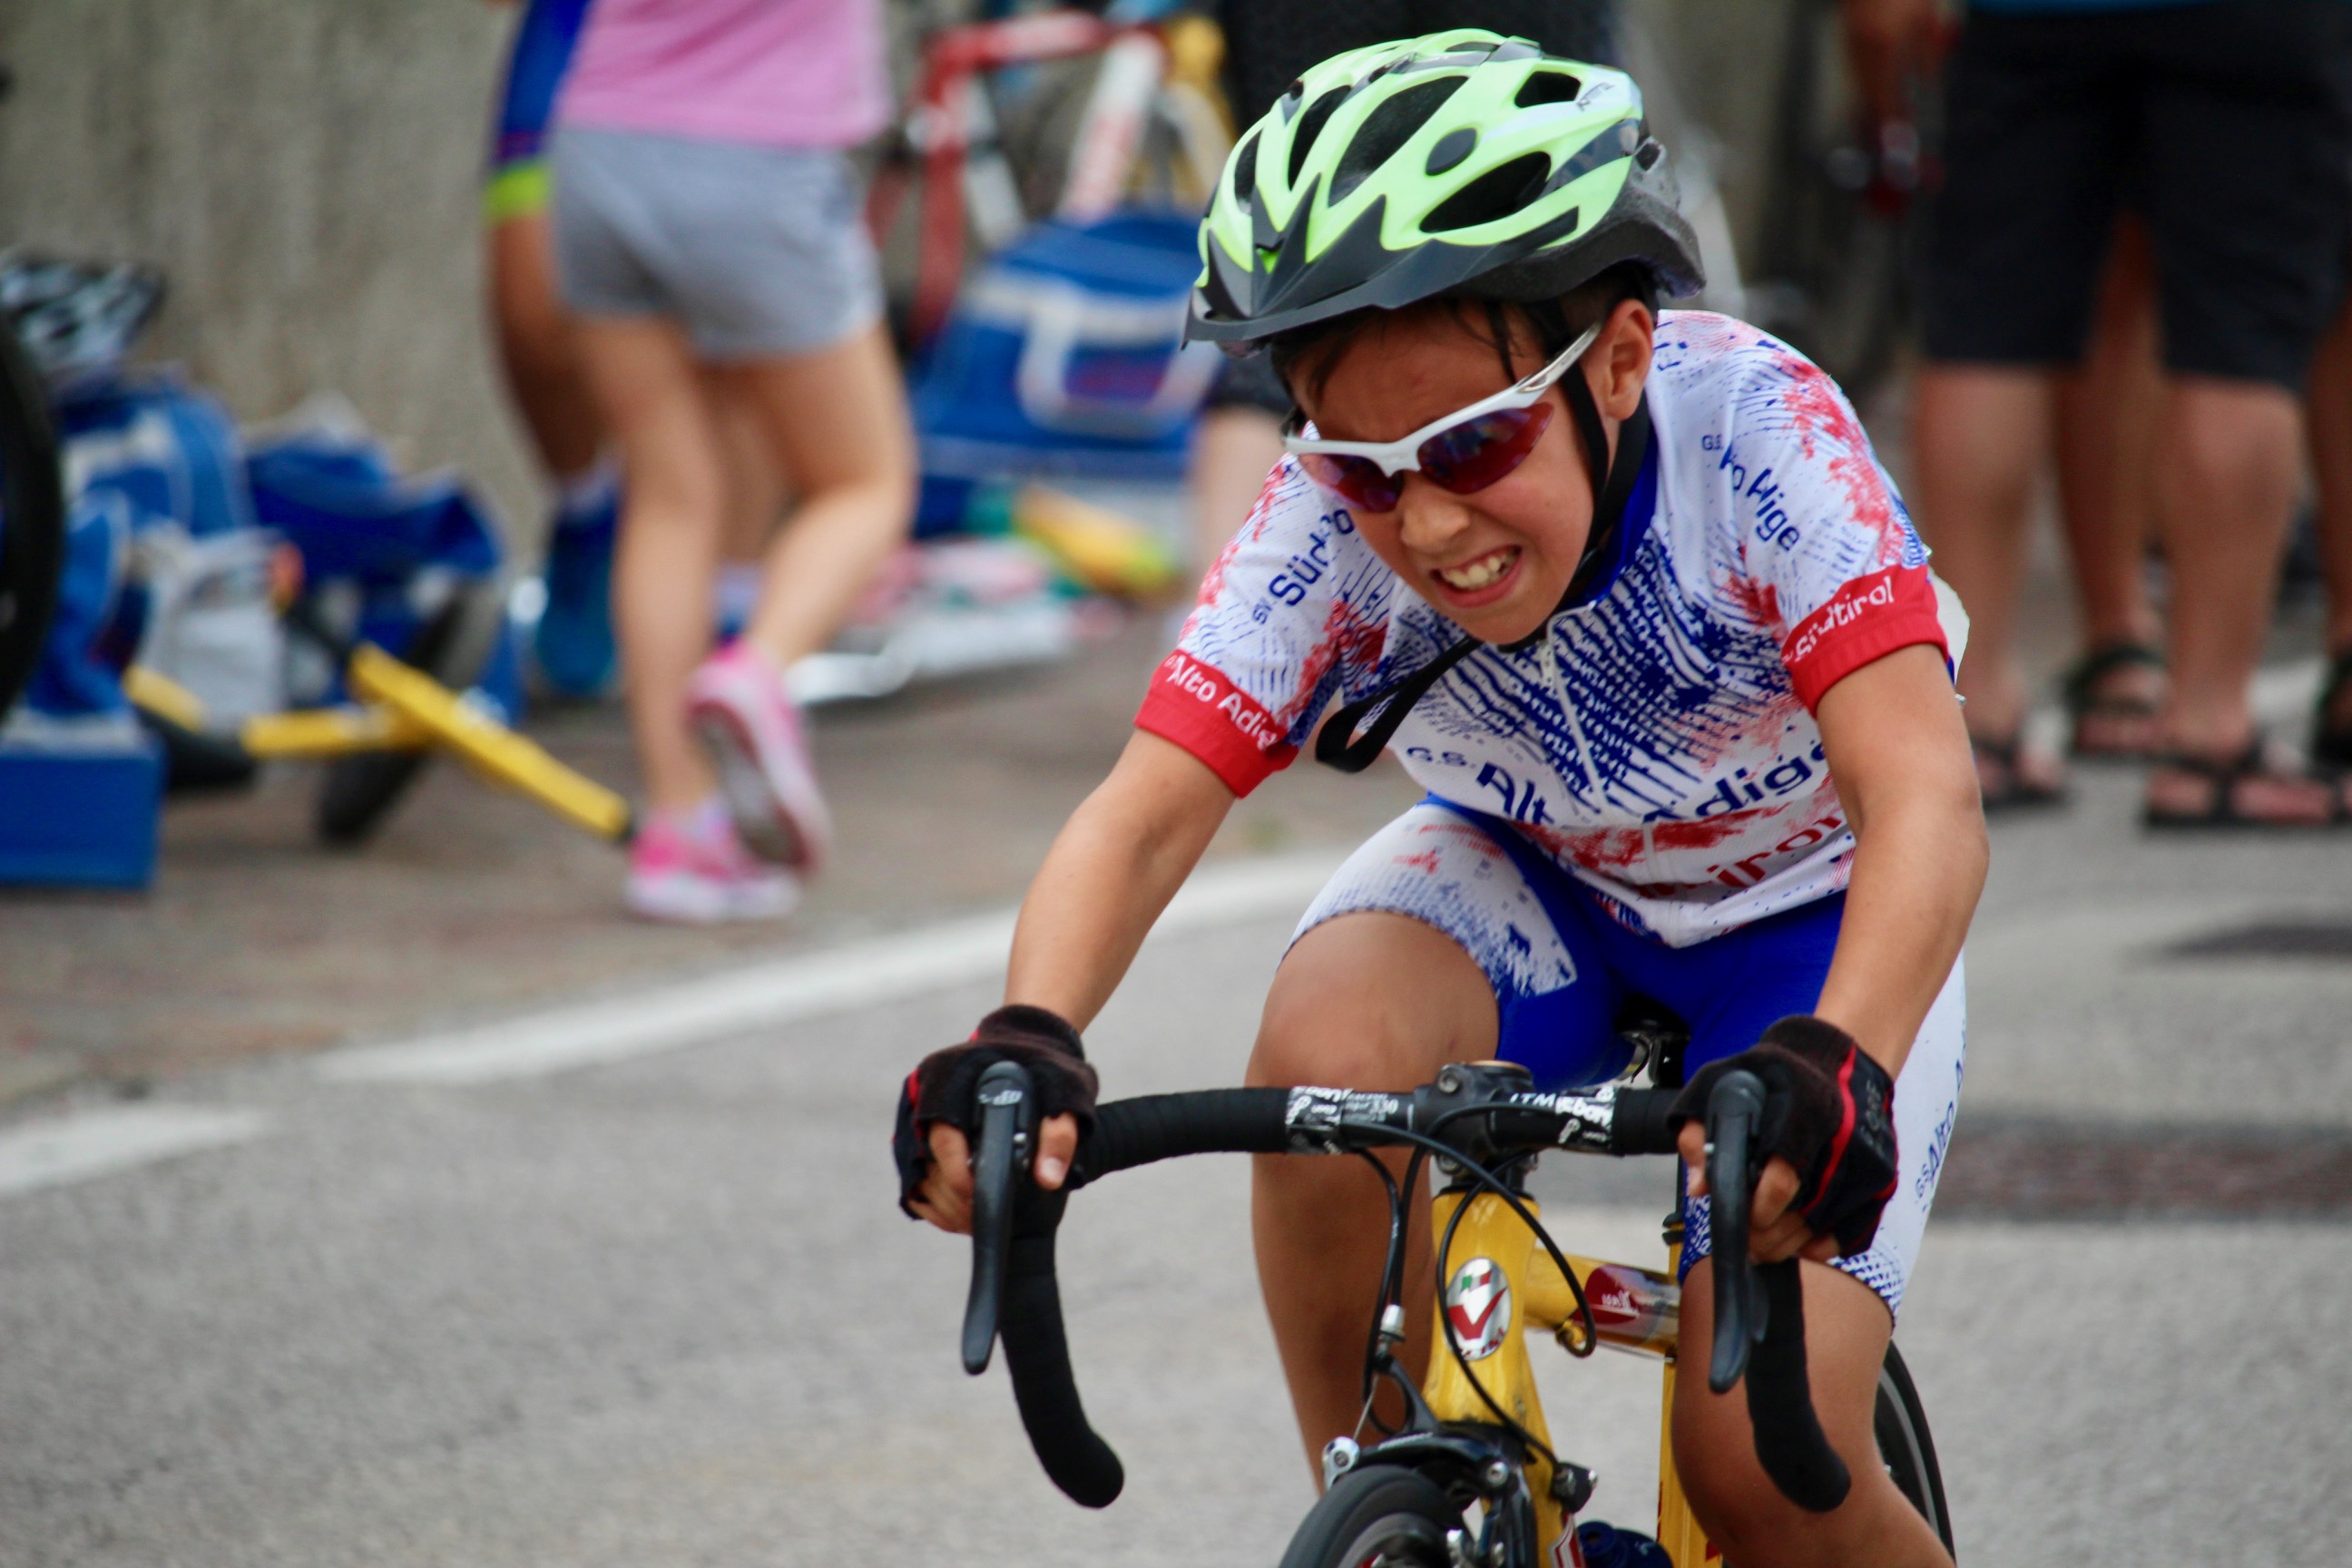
x=755, y=489
x=2106, y=422
x=643, y=371
x=1365, y=1001
x=1846, y=1331
x=1235, y=448
x=2224, y=513
x=838, y=423
x=536, y=346
x=1978, y=435
x=2107, y=414
x=2331, y=459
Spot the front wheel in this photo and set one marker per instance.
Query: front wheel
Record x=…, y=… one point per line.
x=1905, y=1447
x=1376, y=1517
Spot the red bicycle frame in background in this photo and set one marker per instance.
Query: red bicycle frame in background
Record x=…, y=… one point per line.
x=952, y=117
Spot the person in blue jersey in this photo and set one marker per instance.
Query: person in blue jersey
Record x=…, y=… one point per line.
x=573, y=646
x=1628, y=592
x=2226, y=126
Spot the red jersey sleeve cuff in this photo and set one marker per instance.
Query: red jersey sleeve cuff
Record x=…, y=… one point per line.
x=1864, y=621
x=1193, y=705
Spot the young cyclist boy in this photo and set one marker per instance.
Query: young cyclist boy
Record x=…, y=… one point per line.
x=1631, y=596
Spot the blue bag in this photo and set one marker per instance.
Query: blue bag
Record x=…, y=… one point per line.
x=1066, y=355
x=139, y=451
x=389, y=550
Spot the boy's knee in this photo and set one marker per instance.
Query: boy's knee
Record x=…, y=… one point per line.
x=1316, y=1030
x=1372, y=1001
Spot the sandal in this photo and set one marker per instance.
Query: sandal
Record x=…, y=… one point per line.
x=2331, y=721
x=2107, y=723
x=2236, y=787
x=2011, y=775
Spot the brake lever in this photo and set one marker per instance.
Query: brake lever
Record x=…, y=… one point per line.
x=1734, y=1109
x=1007, y=1103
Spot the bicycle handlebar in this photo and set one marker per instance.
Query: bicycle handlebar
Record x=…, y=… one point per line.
x=1014, y=1294
x=1759, y=1312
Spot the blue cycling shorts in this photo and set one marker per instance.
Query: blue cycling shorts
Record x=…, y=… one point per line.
x=1561, y=966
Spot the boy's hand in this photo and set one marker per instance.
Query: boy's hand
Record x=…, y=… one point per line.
x=1775, y=1230
x=1828, y=1129
x=932, y=1143
x=945, y=1196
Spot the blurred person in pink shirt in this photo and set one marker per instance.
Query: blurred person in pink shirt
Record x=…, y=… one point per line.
x=708, y=235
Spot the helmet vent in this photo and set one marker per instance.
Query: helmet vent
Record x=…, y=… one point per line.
x=1547, y=87
x=1310, y=125
x=1498, y=193
x=1388, y=128
x=1451, y=148
x=1245, y=170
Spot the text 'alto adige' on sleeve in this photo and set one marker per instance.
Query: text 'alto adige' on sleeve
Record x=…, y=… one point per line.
x=1294, y=606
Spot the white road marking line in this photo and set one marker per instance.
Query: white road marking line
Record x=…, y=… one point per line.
x=861, y=974
x=82, y=1144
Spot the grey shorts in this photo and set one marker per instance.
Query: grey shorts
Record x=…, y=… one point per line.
x=761, y=252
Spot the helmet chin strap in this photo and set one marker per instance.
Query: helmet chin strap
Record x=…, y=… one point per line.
x=1355, y=736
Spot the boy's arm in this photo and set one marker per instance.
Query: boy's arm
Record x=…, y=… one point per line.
x=1899, y=756
x=1113, y=868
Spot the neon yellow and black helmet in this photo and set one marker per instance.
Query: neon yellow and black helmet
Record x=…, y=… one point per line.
x=1461, y=163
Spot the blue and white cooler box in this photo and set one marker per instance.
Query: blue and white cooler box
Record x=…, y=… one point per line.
x=1066, y=355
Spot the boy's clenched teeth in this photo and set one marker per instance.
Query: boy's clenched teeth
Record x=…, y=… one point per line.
x=1472, y=576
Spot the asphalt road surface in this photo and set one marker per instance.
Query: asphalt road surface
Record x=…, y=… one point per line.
x=648, y=1300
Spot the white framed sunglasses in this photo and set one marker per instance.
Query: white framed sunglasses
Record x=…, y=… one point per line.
x=1464, y=452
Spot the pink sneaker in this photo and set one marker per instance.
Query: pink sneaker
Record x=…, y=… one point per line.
x=690, y=869
x=737, y=704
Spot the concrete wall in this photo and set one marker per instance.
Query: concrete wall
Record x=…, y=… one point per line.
x=306, y=172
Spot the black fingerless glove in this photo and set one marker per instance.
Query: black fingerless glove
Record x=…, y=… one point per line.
x=1829, y=1111
x=943, y=1088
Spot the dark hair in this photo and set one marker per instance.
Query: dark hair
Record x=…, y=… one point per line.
x=1312, y=350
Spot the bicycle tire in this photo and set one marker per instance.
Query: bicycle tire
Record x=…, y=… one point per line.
x=32, y=518
x=1839, y=273
x=357, y=794
x=1379, y=1515
x=1904, y=1447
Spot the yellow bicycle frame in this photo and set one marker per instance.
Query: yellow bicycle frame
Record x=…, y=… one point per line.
x=1634, y=1309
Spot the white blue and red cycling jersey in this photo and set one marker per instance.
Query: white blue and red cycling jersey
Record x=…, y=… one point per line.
x=1636, y=802
x=1658, y=741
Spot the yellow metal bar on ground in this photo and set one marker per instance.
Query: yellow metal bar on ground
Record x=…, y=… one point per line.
x=330, y=733
x=485, y=744
x=164, y=697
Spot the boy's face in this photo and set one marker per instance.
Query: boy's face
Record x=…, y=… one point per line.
x=1494, y=561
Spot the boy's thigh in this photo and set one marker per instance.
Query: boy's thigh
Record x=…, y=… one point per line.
x=2038, y=122
x=2248, y=148
x=1431, y=928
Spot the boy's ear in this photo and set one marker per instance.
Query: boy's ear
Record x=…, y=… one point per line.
x=1623, y=361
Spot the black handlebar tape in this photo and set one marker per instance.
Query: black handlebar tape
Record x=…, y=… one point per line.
x=1639, y=1125
x=1037, y=1356
x=1788, y=1440
x=1131, y=1132
x=1733, y=1108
